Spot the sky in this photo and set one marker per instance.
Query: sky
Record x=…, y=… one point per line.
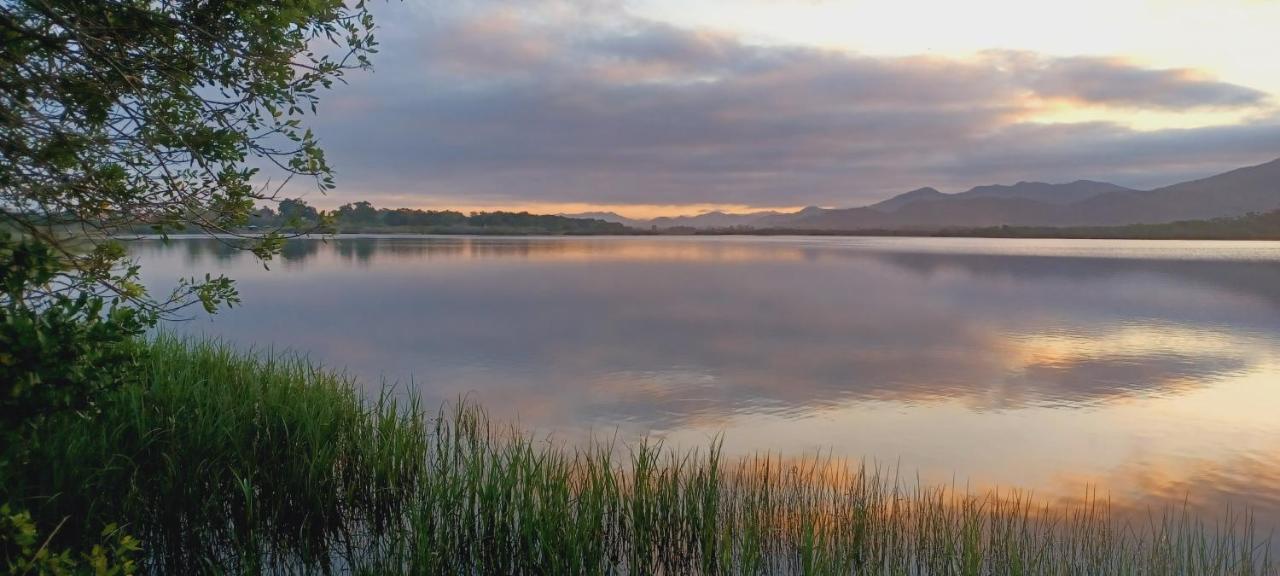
x=666, y=107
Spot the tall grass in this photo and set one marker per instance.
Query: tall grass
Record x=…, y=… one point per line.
x=226, y=462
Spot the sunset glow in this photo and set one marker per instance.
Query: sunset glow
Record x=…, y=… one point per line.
x=640, y=286
x=656, y=107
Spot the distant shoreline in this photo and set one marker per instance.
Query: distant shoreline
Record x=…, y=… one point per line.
x=1254, y=226
x=736, y=233
x=1260, y=227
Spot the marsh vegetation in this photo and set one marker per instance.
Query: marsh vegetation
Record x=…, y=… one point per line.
x=231, y=462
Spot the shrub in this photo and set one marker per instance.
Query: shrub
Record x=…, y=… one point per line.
x=23, y=550
x=60, y=349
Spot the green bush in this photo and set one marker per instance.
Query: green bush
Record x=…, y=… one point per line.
x=60, y=349
x=23, y=550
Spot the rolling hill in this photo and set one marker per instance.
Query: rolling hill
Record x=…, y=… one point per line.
x=1254, y=189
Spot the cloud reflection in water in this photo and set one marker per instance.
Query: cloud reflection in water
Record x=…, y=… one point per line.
x=1039, y=364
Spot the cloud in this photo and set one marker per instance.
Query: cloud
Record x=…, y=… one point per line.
x=1114, y=81
x=559, y=101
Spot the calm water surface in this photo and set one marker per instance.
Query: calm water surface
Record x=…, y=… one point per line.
x=1149, y=370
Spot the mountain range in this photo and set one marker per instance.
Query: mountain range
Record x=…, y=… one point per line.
x=1079, y=203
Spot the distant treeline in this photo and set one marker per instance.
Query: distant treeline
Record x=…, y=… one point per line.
x=1265, y=226
x=1253, y=226
x=363, y=217
x=360, y=217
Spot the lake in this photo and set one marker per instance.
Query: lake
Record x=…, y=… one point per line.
x=1149, y=371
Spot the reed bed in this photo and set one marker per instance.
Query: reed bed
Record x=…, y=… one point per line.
x=226, y=462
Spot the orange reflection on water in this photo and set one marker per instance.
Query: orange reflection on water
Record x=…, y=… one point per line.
x=1139, y=368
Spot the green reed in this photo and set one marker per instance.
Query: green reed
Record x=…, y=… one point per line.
x=227, y=462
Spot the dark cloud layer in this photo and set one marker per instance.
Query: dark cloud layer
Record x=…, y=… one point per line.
x=560, y=101
x=1113, y=81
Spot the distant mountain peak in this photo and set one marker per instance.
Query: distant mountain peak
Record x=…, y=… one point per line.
x=1025, y=203
x=606, y=216
x=1056, y=194
x=1078, y=203
x=925, y=194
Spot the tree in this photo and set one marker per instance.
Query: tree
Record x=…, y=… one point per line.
x=297, y=211
x=358, y=213
x=125, y=115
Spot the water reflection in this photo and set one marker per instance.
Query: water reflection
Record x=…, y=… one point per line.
x=1144, y=367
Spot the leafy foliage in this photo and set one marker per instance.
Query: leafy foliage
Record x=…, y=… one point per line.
x=58, y=349
x=22, y=550
x=116, y=115
x=121, y=114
